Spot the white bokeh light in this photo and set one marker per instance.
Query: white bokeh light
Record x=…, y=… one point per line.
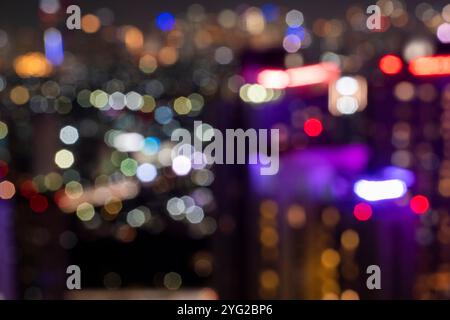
x=117, y=101
x=347, y=86
x=294, y=18
x=181, y=165
x=134, y=101
x=347, y=105
x=129, y=142
x=175, y=206
x=146, y=172
x=194, y=214
x=69, y=135
x=136, y=218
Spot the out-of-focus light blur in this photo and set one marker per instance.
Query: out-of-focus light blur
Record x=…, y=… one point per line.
x=90, y=176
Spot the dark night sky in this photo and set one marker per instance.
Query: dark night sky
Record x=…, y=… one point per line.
x=138, y=12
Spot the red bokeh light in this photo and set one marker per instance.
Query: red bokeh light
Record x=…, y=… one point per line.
x=419, y=204
x=313, y=127
x=38, y=203
x=28, y=189
x=324, y=72
x=390, y=64
x=362, y=211
x=4, y=169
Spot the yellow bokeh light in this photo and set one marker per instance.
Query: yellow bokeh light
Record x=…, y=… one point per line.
x=113, y=206
x=269, y=237
x=85, y=211
x=3, y=130
x=19, y=95
x=53, y=181
x=330, y=286
x=99, y=98
x=269, y=279
x=149, y=104
x=350, y=239
x=172, y=281
x=182, y=105
x=74, y=190
x=254, y=20
x=330, y=258
x=64, y=159
x=148, y=63
x=256, y=93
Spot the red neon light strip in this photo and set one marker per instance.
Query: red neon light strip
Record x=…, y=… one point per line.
x=430, y=66
x=297, y=77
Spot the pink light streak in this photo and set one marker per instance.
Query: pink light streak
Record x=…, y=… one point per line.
x=298, y=77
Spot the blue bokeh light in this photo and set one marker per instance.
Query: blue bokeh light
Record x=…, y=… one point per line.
x=163, y=115
x=165, y=21
x=270, y=12
x=53, y=42
x=298, y=31
x=151, y=145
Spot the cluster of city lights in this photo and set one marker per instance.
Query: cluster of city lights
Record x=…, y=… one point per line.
x=114, y=119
